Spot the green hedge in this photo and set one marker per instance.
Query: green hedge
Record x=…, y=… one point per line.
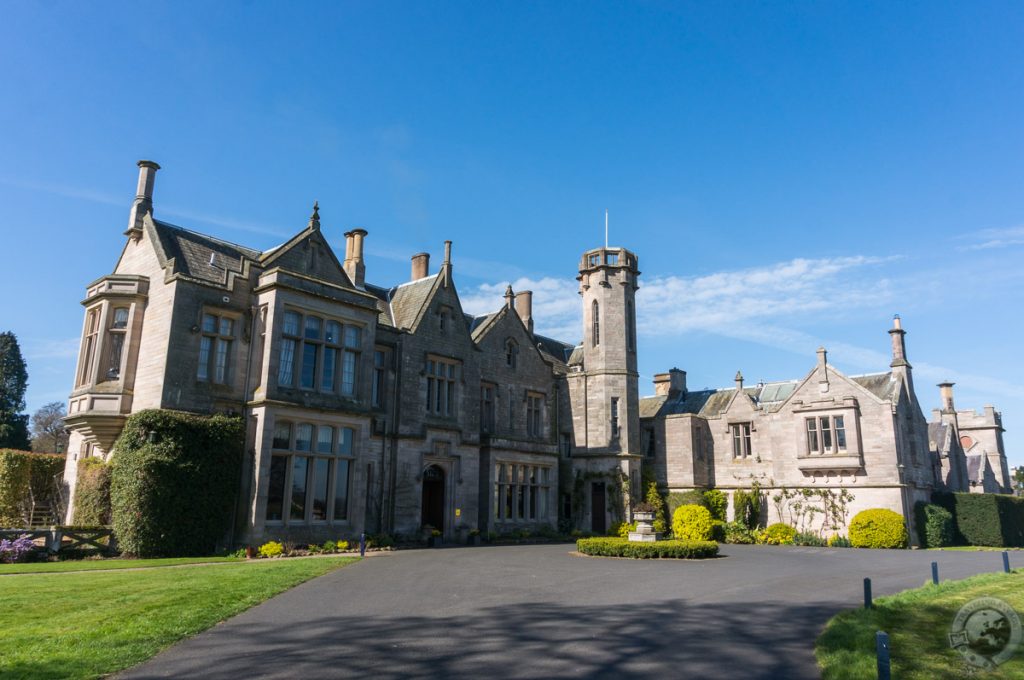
x=620, y=547
x=175, y=480
x=878, y=528
x=935, y=526
x=679, y=498
x=92, y=493
x=20, y=472
x=985, y=518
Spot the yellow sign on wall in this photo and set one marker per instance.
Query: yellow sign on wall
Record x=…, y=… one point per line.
x=458, y=512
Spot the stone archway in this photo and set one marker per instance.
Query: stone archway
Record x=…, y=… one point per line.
x=433, y=498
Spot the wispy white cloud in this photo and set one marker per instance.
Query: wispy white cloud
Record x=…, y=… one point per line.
x=65, y=348
x=65, y=191
x=987, y=239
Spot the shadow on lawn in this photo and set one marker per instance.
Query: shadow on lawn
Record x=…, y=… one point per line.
x=668, y=639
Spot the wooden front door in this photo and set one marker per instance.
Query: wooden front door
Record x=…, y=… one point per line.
x=597, y=509
x=433, y=498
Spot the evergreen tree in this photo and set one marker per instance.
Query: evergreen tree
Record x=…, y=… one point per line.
x=13, y=382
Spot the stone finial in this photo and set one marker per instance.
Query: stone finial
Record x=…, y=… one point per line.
x=314, y=219
x=739, y=380
x=510, y=297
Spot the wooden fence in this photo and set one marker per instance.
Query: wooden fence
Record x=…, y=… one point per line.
x=58, y=538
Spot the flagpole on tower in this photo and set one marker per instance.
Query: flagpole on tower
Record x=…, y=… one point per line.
x=606, y=228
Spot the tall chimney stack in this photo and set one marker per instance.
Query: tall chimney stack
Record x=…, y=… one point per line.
x=354, y=266
x=143, y=202
x=946, y=392
x=899, y=343
x=420, y=266
x=524, y=307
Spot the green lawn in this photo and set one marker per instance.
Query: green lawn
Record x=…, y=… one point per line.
x=115, y=563
x=89, y=624
x=918, y=622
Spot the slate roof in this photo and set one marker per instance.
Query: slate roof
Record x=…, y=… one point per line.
x=191, y=252
x=408, y=299
x=882, y=385
x=576, y=356
x=554, y=349
x=383, y=303
x=938, y=439
x=711, y=403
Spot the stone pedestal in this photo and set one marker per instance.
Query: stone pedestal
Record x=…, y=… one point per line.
x=645, y=532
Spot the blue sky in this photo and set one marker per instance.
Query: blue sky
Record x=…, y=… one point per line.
x=790, y=174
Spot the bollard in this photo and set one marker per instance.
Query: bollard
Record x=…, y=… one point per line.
x=882, y=655
x=935, y=573
x=867, y=593
x=362, y=544
x=1006, y=562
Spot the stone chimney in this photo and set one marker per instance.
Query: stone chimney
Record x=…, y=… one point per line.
x=524, y=307
x=143, y=202
x=420, y=266
x=946, y=392
x=446, y=266
x=899, y=343
x=671, y=384
x=354, y=266
x=823, y=365
x=739, y=380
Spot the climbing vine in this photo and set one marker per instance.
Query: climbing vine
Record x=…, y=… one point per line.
x=618, y=493
x=800, y=507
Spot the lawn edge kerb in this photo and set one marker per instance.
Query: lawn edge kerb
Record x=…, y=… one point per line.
x=836, y=650
x=611, y=546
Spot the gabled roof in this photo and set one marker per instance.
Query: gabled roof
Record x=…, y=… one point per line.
x=555, y=350
x=192, y=254
x=882, y=385
x=408, y=299
x=383, y=304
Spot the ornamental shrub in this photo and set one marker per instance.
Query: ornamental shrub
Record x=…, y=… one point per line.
x=692, y=523
x=737, y=532
x=15, y=477
x=19, y=550
x=878, y=528
x=809, y=539
x=677, y=499
x=46, y=470
x=718, y=531
x=342, y=546
x=271, y=549
x=746, y=506
x=935, y=527
x=175, y=482
x=716, y=502
x=985, y=518
x=837, y=541
x=777, y=534
x=92, y=493
x=620, y=547
x=654, y=499
x=622, y=529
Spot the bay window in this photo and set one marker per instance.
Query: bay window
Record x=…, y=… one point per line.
x=826, y=434
x=309, y=473
x=319, y=354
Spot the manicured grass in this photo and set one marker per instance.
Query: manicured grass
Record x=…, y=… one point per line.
x=918, y=623
x=91, y=624
x=974, y=548
x=116, y=563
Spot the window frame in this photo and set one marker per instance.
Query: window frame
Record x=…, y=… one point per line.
x=827, y=434
x=441, y=377
x=521, y=492
x=742, y=440
x=346, y=350
x=215, y=339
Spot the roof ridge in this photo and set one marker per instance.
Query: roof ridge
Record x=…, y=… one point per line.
x=164, y=223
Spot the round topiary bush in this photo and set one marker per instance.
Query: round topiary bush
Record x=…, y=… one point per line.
x=692, y=523
x=777, y=534
x=878, y=528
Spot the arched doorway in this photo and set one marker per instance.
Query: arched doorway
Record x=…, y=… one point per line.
x=433, y=497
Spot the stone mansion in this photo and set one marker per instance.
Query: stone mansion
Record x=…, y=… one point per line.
x=389, y=409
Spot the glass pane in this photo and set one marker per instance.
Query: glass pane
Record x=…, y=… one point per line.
x=116, y=347
x=227, y=327
x=333, y=333
x=345, y=444
x=320, y=468
x=286, y=371
x=282, y=435
x=840, y=433
x=121, y=317
x=304, y=437
x=275, y=492
x=812, y=436
x=325, y=439
x=299, y=471
x=378, y=359
x=312, y=328
x=291, y=323
x=203, y=370
x=352, y=336
x=341, y=489
x=209, y=323
x=327, y=379
x=220, y=372
x=308, y=375
x=348, y=373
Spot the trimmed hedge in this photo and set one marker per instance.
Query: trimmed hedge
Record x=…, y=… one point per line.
x=92, y=493
x=692, y=523
x=935, y=526
x=20, y=473
x=680, y=498
x=985, y=518
x=175, y=480
x=620, y=547
x=878, y=528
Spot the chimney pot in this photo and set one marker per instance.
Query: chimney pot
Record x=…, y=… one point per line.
x=946, y=392
x=354, y=265
x=143, y=202
x=671, y=384
x=524, y=307
x=420, y=266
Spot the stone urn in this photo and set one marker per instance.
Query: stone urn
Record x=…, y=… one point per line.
x=644, y=528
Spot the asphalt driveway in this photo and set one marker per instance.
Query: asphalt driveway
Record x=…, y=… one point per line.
x=539, y=611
